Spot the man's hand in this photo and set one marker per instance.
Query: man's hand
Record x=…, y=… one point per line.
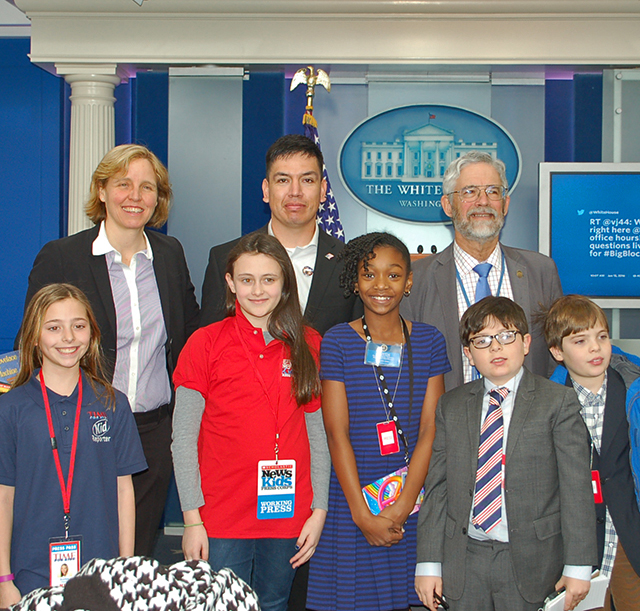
x=576, y=591
x=425, y=587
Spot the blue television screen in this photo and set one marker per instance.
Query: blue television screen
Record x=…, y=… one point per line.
x=590, y=226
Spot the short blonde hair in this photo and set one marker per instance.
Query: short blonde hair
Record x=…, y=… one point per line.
x=115, y=163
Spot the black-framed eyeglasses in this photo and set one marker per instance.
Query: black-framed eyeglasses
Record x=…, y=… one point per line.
x=504, y=338
x=471, y=193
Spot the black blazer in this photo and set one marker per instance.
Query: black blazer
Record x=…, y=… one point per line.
x=70, y=260
x=326, y=306
x=615, y=473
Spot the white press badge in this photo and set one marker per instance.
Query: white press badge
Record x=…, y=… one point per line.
x=383, y=355
x=64, y=559
x=276, y=489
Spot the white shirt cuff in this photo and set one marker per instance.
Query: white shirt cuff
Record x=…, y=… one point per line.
x=577, y=572
x=429, y=569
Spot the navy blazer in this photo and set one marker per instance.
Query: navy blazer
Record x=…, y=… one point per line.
x=70, y=260
x=615, y=473
x=326, y=306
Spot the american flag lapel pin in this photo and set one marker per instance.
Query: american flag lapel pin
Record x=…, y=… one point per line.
x=329, y=256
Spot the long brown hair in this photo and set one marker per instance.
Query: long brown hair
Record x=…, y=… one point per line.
x=30, y=354
x=286, y=321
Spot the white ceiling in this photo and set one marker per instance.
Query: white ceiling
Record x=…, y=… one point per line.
x=334, y=33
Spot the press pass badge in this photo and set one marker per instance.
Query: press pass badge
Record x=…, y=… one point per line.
x=276, y=489
x=64, y=559
x=383, y=355
x=388, y=437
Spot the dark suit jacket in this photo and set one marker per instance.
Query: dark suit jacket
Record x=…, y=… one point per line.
x=549, y=503
x=616, y=477
x=534, y=281
x=326, y=305
x=70, y=260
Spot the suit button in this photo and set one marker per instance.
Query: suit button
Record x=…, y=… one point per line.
x=470, y=492
x=464, y=531
x=600, y=520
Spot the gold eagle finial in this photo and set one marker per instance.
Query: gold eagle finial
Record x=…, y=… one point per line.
x=310, y=77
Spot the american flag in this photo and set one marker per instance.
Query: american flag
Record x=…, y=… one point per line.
x=328, y=216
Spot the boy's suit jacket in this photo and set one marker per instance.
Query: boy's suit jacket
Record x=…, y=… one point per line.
x=70, y=260
x=615, y=473
x=548, y=496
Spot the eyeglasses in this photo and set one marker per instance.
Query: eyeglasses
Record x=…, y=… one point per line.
x=472, y=192
x=503, y=338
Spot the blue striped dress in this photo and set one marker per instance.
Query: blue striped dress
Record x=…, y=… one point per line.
x=347, y=573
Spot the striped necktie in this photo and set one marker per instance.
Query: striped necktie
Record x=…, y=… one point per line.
x=487, y=500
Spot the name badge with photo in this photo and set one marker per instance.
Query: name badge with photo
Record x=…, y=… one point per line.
x=276, y=489
x=383, y=355
x=64, y=559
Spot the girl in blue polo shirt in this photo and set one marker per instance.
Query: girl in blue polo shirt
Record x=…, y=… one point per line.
x=68, y=447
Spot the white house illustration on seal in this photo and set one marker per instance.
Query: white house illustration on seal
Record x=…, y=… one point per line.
x=423, y=154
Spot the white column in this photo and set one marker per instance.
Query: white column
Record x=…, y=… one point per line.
x=92, y=129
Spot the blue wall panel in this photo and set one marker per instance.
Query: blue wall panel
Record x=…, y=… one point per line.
x=263, y=100
x=31, y=129
x=150, y=112
x=559, y=120
x=588, y=117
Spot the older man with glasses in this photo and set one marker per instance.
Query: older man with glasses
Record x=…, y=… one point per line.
x=477, y=265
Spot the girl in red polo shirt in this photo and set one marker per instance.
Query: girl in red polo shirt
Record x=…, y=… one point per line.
x=246, y=424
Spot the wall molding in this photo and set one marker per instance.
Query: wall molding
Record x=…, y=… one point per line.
x=243, y=32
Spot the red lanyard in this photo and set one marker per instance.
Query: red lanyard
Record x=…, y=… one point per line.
x=64, y=488
x=273, y=408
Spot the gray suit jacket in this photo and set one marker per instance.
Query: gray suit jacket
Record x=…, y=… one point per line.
x=549, y=503
x=534, y=281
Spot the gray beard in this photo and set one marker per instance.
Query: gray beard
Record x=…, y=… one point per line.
x=479, y=231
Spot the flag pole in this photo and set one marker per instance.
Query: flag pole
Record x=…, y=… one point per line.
x=328, y=217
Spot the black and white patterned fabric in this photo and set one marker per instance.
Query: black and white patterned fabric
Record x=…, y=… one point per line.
x=142, y=584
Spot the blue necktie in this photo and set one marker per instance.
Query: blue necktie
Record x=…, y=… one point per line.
x=487, y=500
x=482, y=288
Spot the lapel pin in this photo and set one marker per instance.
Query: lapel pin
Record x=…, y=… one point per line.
x=329, y=256
x=519, y=274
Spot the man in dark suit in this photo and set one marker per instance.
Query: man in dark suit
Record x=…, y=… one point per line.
x=445, y=285
x=505, y=541
x=294, y=189
x=140, y=290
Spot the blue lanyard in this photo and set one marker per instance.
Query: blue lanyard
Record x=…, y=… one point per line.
x=464, y=293
x=476, y=375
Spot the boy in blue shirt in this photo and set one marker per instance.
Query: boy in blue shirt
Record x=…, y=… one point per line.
x=577, y=333
x=508, y=513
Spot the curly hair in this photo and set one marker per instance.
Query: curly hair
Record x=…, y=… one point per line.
x=361, y=250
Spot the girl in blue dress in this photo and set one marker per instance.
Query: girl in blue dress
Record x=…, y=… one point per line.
x=68, y=448
x=381, y=380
